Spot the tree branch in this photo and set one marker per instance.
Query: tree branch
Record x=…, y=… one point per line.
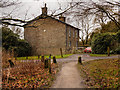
x=17, y=20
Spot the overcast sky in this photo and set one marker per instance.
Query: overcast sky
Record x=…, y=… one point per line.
x=33, y=8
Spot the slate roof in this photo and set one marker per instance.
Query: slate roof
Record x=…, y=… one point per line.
x=46, y=16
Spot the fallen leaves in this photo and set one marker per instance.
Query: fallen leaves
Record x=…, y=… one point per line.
x=101, y=73
x=29, y=74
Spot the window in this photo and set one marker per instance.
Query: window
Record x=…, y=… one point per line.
x=70, y=44
x=76, y=34
x=77, y=44
x=69, y=32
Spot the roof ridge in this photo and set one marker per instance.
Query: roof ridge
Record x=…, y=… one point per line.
x=45, y=16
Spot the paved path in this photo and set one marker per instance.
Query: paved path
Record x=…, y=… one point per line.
x=69, y=76
x=85, y=57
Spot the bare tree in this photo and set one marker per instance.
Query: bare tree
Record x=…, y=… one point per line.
x=86, y=26
x=103, y=10
x=7, y=3
x=82, y=8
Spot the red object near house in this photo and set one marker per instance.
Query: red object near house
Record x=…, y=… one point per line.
x=88, y=50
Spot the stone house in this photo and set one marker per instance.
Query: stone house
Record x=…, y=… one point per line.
x=47, y=35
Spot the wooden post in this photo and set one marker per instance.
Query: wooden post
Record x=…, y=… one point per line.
x=39, y=56
x=79, y=60
x=61, y=52
x=54, y=59
x=11, y=63
x=15, y=57
x=50, y=66
x=50, y=56
x=108, y=50
x=42, y=58
x=26, y=57
x=46, y=63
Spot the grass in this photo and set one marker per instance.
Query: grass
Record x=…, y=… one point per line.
x=36, y=57
x=99, y=55
x=101, y=73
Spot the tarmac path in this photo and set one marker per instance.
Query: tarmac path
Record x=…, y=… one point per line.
x=69, y=77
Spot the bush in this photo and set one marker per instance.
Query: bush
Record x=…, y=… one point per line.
x=100, y=42
x=12, y=42
x=23, y=49
x=118, y=36
x=117, y=50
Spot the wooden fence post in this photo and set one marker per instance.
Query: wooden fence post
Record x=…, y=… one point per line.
x=61, y=52
x=42, y=58
x=46, y=63
x=79, y=60
x=50, y=56
x=54, y=59
x=15, y=57
x=39, y=56
x=11, y=63
x=50, y=66
x=108, y=51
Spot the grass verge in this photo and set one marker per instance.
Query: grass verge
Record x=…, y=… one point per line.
x=36, y=57
x=101, y=73
x=100, y=55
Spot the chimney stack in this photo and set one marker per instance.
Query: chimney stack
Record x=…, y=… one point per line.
x=44, y=10
x=61, y=18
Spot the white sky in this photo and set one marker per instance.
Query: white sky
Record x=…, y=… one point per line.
x=34, y=8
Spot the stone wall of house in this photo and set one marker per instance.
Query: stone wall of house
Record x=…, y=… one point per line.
x=47, y=38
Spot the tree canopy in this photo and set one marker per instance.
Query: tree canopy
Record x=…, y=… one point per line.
x=11, y=41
